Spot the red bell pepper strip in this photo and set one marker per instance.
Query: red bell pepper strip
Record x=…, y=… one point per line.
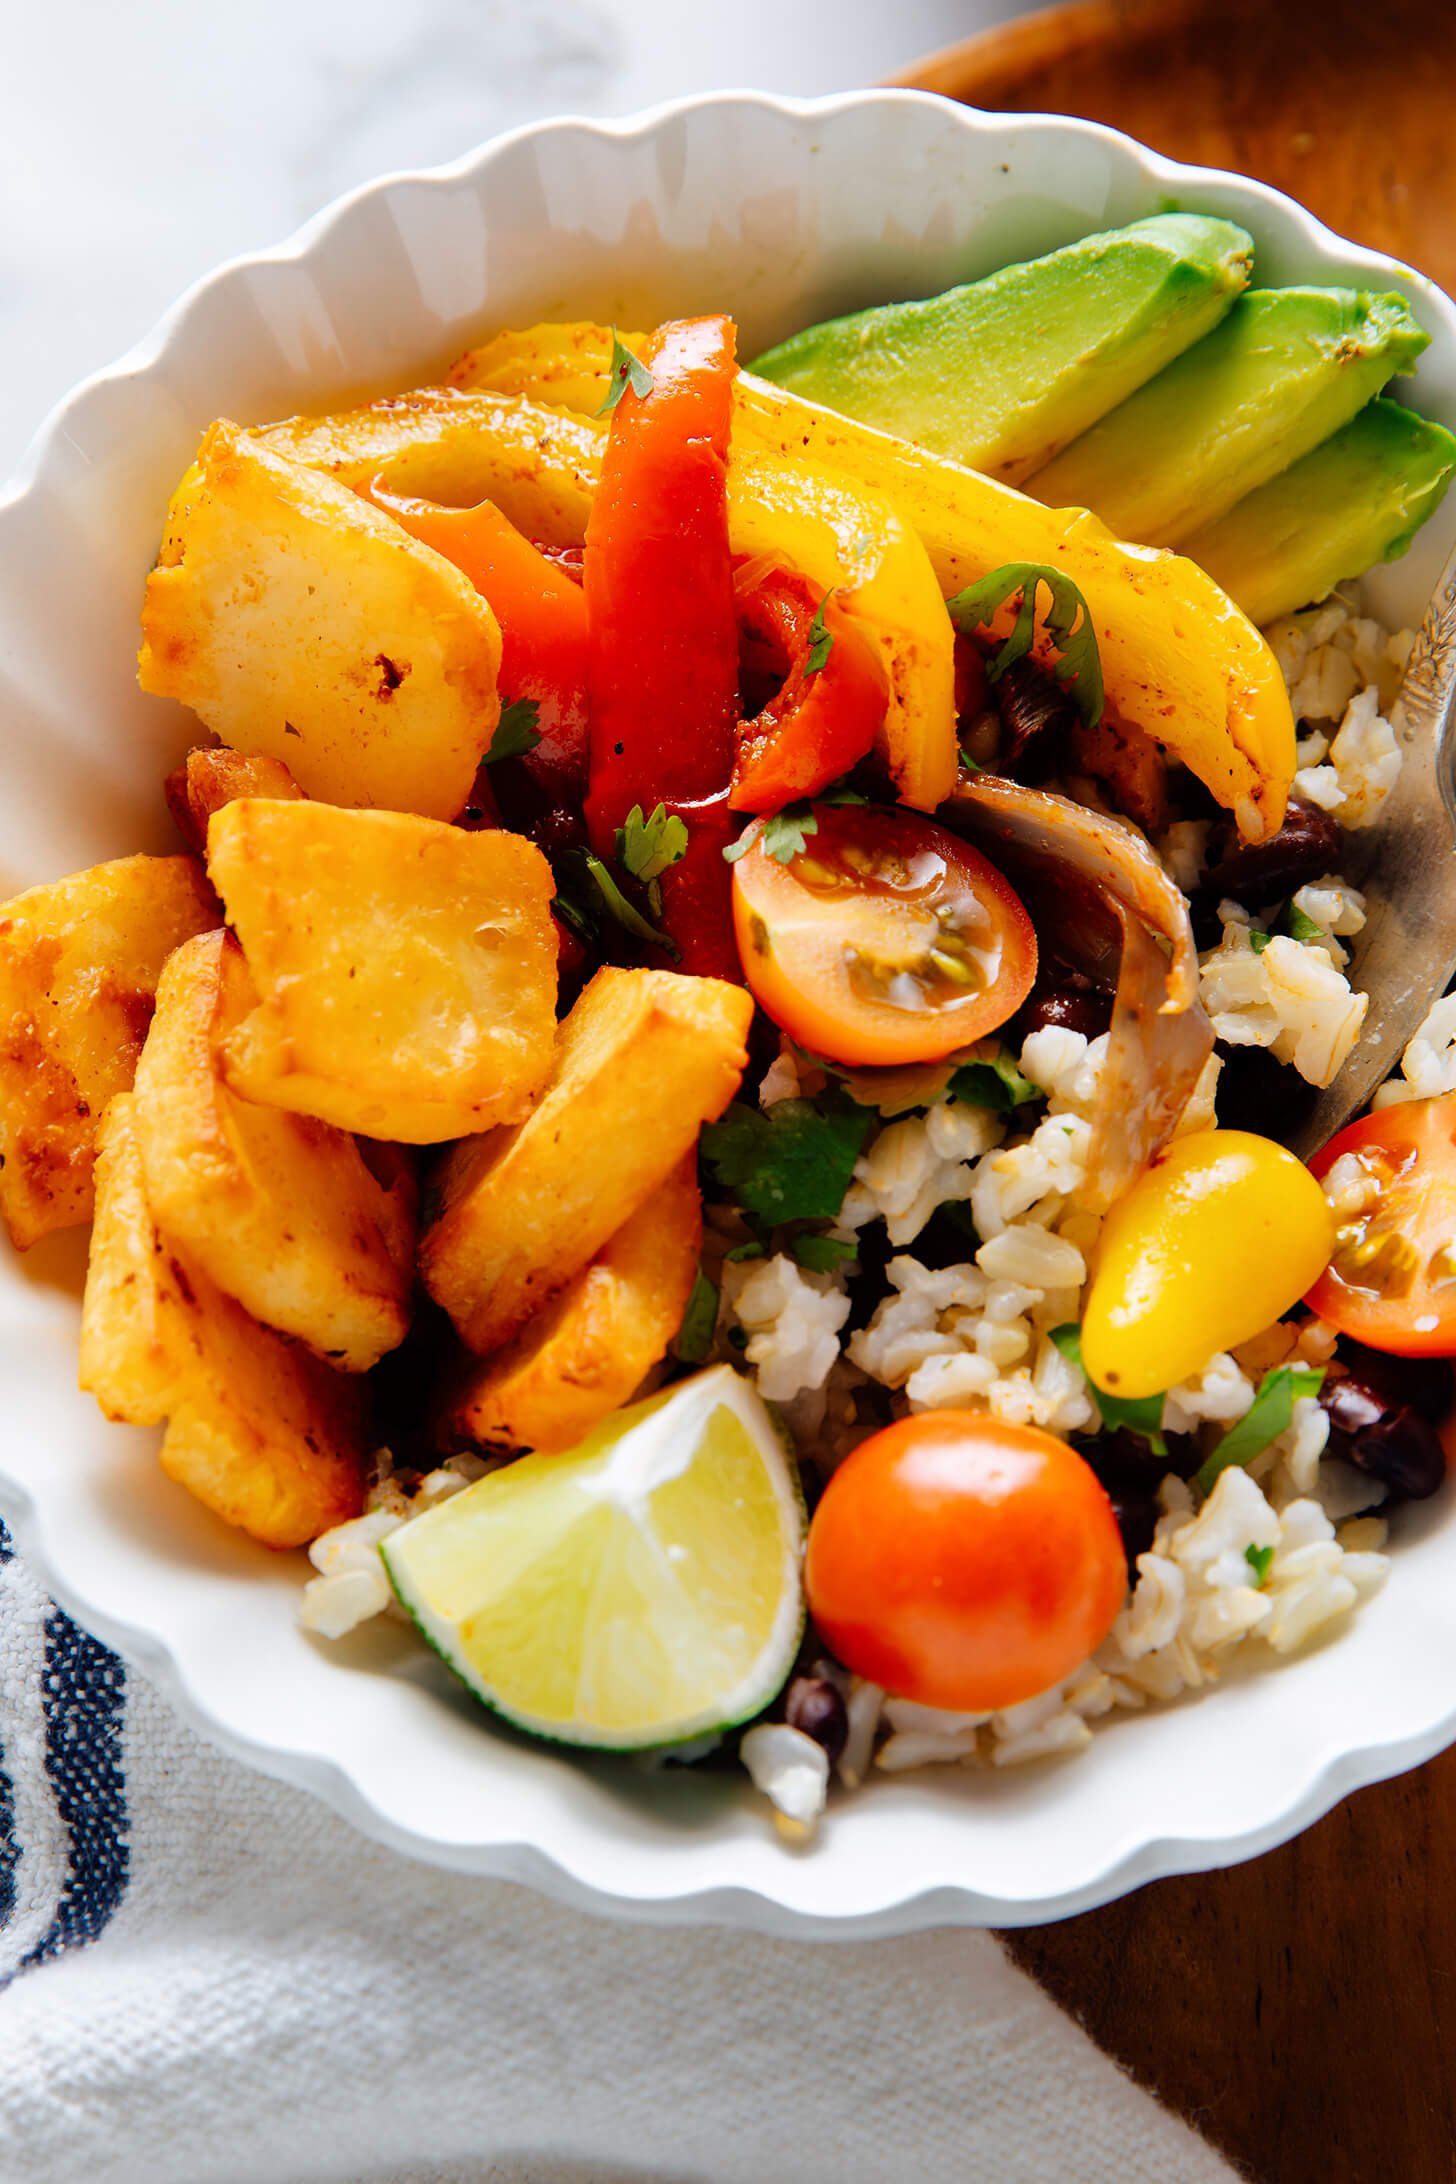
x=822, y=720
x=542, y=617
x=662, y=651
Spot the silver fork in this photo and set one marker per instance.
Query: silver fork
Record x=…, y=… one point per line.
x=1406, y=866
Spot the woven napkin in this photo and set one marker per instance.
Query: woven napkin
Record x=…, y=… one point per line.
x=212, y=1980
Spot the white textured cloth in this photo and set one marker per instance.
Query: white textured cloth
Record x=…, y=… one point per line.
x=215, y=1981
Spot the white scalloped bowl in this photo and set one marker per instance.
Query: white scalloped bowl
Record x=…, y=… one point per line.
x=781, y=213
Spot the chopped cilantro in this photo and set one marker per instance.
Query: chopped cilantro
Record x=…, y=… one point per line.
x=744, y=1251
x=695, y=1336
x=972, y=765
x=1266, y=1418
x=627, y=371
x=793, y=1163
x=822, y=1254
x=1078, y=666
x=1141, y=1414
x=646, y=847
x=783, y=835
x=1259, y=941
x=956, y=1215
x=576, y=916
x=617, y=906
x=1259, y=1559
x=821, y=640
x=996, y=1084
x=515, y=732
x=1301, y=927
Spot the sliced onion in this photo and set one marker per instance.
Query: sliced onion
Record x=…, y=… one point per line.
x=1100, y=899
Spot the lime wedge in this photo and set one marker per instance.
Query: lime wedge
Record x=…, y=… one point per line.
x=640, y=1590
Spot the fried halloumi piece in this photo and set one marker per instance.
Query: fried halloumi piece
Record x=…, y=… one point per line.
x=79, y=963
x=643, y=1061
x=279, y=1210
x=539, y=464
x=263, y=1434
x=212, y=778
x=582, y=1355
x=407, y=969
x=300, y=623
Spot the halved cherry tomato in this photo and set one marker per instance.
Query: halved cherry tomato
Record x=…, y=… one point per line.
x=823, y=718
x=542, y=617
x=885, y=939
x=963, y=1562
x=1392, y=1280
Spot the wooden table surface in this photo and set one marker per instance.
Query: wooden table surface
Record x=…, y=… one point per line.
x=1300, y=2010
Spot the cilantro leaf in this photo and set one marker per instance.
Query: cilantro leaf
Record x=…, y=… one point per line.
x=783, y=835
x=616, y=905
x=793, y=1163
x=822, y=1254
x=996, y=1084
x=821, y=640
x=972, y=765
x=516, y=731
x=695, y=1336
x=1259, y=1559
x=646, y=847
x=627, y=371
x=740, y=1252
x=577, y=916
x=1259, y=941
x=1299, y=926
x=1266, y=1418
x=1142, y=1414
x=1078, y=666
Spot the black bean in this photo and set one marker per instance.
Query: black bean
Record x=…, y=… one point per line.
x=1257, y=1093
x=555, y=830
x=1137, y=1516
x=1404, y=1452
x=1076, y=1006
x=1308, y=845
x=1036, y=716
x=813, y=1705
x=1352, y=1408
x=1123, y=1458
x=1425, y=1383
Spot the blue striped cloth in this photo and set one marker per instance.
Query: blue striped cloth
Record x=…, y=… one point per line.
x=210, y=1979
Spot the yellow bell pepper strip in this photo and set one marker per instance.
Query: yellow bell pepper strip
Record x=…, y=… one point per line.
x=568, y=364
x=1179, y=659
x=540, y=466
x=853, y=543
x=1222, y=1234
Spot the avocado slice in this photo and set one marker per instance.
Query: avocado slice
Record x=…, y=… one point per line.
x=1359, y=498
x=1002, y=373
x=1287, y=367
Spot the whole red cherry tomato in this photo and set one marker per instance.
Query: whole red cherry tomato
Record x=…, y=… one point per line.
x=963, y=1562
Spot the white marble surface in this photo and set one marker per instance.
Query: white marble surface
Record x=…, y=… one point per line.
x=145, y=141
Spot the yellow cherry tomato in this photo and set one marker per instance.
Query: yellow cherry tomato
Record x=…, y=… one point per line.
x=1222, y=1233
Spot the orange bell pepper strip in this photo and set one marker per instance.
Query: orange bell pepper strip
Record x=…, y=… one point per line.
x=824, y=717
x=542, y=617
x=662, y=636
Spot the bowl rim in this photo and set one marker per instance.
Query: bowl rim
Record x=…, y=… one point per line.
x=897, y=1902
